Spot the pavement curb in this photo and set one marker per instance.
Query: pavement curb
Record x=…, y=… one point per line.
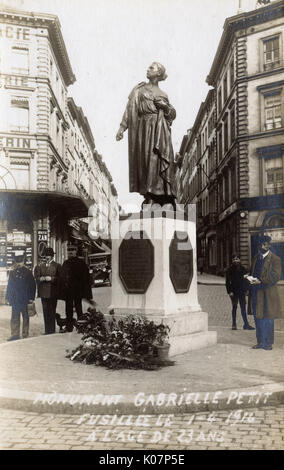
x=141, y=404
x=213, y=283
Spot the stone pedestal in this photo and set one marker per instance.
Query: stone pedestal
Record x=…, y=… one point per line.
x=154, y=274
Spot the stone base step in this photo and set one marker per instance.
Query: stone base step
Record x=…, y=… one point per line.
x=190, y=342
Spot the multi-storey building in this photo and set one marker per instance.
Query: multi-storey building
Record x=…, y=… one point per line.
x=197, y=177
x=49, y=168
x=247, y=76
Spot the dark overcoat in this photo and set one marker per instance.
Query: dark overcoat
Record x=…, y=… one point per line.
x=235, y=281
x=76, y=279
x=48, y=289
x=21, y=287
x=268, y=299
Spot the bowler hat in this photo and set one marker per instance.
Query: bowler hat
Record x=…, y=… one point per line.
x=264, y=239
x=19, y=258
x=48, y=251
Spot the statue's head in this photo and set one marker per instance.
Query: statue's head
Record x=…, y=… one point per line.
x=157, y=70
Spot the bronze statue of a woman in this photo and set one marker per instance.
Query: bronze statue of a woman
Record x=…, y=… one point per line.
x=148, y=118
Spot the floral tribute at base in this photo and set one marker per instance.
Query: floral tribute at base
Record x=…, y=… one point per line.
x=131, y=343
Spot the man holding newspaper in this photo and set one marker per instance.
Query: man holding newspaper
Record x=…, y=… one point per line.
x=264, y=300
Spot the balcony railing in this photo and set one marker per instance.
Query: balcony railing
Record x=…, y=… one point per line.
x=275, y=190
x=276, y=124
x=273, y=65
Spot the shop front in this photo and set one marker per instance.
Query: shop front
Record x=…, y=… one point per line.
x=30, y=221
x=273, y=226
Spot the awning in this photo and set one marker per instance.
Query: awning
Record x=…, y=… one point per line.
x=72, y=206
x=99, y=246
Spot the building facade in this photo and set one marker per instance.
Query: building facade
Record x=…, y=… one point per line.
x=50, y=173
x=245, y=173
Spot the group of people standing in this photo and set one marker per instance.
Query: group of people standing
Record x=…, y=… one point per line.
x=70, y=282
x=263, y=296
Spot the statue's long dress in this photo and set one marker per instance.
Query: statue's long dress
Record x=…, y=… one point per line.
x=151, y=153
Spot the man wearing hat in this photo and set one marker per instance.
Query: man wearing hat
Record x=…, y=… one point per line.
x=47, y=275
x=76, y=284
x=264, y=302
x=20, y=292
x=237, y=287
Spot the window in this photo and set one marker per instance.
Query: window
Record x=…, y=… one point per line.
x=233, y=125
x=21, y=174
x=220, y=100
x=57, y=125
x=225, y=87
x=226, y=188
x=232, y=73
x=226, y=135
x=274, y=175
x=220, y=196
x=20, y=60
x=272, y=105
x=233, y=183
x=271, y=52
x=212, y=252
x=198, y=147
x=220, y=145
x=19, y=115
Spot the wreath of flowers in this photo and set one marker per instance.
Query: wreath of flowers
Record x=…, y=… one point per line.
x=129, y=343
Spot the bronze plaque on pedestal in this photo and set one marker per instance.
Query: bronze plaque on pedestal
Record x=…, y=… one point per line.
x=181, y=262
x=136, y=262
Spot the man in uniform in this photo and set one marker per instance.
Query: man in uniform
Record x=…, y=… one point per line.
x=20, y=292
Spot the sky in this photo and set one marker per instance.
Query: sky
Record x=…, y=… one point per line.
x=111, y=43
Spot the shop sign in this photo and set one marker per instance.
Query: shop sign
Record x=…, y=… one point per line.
x=42, y=239
x=277, y=236
x=228, y=211
x=15, y=142
x=2, y=249
x=19, y=239
x=14, y=32
x=19, y=242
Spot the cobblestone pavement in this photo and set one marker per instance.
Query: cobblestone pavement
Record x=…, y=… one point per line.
x=250, y=429
x=215, y=301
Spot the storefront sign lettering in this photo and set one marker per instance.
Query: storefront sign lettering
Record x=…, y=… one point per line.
x=42, y=239
x=12, y=32
x=15, y=142
x=276, y=236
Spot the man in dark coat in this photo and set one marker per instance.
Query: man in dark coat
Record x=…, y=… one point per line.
x=237, y=287
x=264, y=302
x=77, y=285
x=47, y=275
x=20, y=292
